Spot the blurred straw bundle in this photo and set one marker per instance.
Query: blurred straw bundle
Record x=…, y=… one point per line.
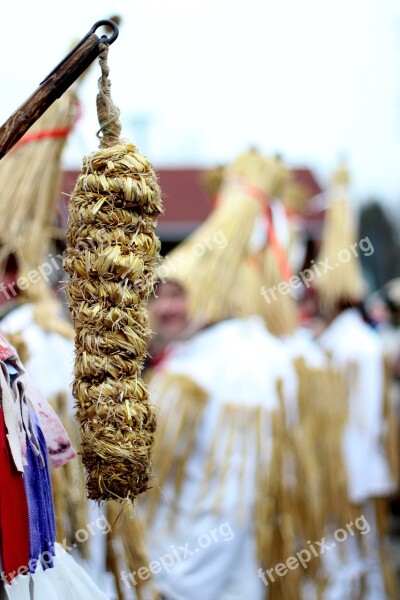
x=30, y=184
x=126, y=551
x=342, y=283
x=266, y=266
x=280, y=313
x=212, y=180
x=30, y=178
x=247, y=186
x=112, y=254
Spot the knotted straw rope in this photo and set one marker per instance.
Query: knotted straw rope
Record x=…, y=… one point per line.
x=111, y=258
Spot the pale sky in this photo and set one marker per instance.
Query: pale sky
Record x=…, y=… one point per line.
x=314, y=80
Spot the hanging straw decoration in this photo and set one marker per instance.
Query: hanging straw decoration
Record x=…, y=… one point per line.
x=343, y=283
x=112, y=254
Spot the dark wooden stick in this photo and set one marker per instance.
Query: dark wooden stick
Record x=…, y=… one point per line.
x=49, y=90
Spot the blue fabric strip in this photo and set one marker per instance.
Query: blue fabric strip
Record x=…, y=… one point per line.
x=40, y=503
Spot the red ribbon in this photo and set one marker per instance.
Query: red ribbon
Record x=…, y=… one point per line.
x=44, y=134
x=58, y=132
x=278, y=250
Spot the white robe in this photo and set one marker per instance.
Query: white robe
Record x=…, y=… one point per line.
x=236, y=362
x=350, y=340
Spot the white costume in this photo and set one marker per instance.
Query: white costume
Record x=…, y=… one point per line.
x=352, y=343
x=237, y=364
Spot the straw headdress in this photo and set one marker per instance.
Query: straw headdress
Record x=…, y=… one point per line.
x=224, y=264
x=212, y=180
x=208, y=262
x=341, y=283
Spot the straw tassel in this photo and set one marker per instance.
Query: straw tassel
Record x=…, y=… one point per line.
x=391, y=421
x=126, y=550
x=322, y=423
x=343, y=282
x=280, y=313
x=112, y=254
x=181, y=406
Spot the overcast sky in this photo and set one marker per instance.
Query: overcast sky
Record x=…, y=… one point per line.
x=197, y=82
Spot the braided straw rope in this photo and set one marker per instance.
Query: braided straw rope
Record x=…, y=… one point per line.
x=111, y=258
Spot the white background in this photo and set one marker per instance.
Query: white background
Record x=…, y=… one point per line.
x=314, y=80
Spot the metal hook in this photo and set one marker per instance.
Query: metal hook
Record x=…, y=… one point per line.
x=107, y=23
x=104, y=39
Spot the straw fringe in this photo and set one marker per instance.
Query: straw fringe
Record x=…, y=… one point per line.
x=276, y=521
x=390, y=419
x=292, y=504
x=323, y=409
x=180, y=407
x=322, y=497
x=280, y=315
x=127, y=551
x=390, y=577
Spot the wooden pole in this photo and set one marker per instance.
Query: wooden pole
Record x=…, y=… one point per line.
x=59, y=80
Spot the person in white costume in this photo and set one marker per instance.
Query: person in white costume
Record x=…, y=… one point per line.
x=322, y=409
x=236, y=364
x=352, y=344
x=223, y=503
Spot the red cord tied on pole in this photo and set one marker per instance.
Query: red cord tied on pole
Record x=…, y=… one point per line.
x=111, y=258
